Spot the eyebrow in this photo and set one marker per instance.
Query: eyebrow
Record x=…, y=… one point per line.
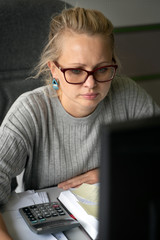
x=81, y=65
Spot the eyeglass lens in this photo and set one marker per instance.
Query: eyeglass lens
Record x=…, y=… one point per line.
x=79, y=75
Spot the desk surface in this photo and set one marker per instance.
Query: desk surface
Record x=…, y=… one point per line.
x=75, y=233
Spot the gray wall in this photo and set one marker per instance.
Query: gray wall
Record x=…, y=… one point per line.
x=138, y=48
x=124, y=12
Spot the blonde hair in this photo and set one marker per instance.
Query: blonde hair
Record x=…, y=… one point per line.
x=77, y=20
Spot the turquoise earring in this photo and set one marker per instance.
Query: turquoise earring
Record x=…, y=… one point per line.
x=55, y=84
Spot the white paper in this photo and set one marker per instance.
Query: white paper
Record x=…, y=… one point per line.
x=88, y=222
x=88, y=197
x=19, y=200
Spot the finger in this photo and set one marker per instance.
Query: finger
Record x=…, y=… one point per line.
x=73, y=182
x=70, y=184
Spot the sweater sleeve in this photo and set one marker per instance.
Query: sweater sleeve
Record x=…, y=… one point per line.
x=20, y=137
x=13, y=157
x=16, y=135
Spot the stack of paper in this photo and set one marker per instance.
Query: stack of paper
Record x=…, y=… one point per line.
x=82, y=202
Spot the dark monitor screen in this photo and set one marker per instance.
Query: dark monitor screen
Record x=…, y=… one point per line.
x=130, y=180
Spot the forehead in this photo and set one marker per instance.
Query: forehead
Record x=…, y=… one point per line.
x=84, y=47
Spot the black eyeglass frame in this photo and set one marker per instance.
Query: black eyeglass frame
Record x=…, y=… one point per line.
x=63, y=70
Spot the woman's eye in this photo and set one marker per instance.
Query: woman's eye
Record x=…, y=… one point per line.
x=76, y=71
x=102, y=70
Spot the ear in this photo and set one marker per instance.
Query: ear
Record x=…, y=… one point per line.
x=51, y=66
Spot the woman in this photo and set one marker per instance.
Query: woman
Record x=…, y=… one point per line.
x=53, y=131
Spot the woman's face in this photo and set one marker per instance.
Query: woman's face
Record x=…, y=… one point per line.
x=86, y=52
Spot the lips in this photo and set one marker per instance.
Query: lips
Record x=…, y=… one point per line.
x=90, y=95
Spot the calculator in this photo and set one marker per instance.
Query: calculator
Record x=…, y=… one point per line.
x=48, y=218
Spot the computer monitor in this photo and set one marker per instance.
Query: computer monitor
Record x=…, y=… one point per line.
x=130, y=180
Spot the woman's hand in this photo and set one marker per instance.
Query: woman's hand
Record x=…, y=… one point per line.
x=89, y=177
x=3, y=230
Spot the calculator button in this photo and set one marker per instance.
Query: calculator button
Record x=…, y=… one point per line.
x=28, y=213
x=32, y=219
x=26, y=210
x=33, y=207
x=59, y=210
x=47, y=215
x=42, y=219
x=56, y=206
x=54, y=214
x=62, y=213
x=37, y=212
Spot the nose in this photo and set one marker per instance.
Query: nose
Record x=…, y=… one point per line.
x=90, y=82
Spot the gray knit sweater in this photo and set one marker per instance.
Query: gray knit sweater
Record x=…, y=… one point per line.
x=39, y=135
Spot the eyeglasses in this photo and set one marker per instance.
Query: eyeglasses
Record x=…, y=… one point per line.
x=79, y=76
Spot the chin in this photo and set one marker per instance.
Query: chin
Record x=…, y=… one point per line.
x=90, y=106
